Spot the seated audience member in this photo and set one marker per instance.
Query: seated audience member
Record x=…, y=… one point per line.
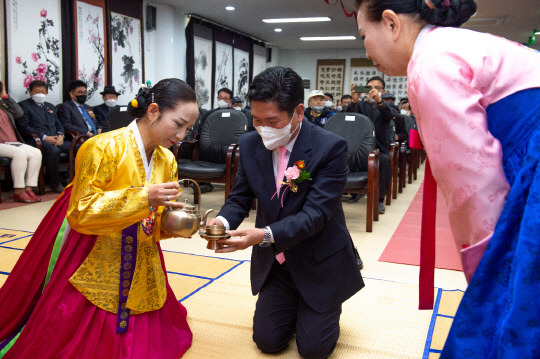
x=237, y=105
x=380, y=114
x=25, y=160
x=74, y=114
x=110, y=99
x=317, y=113
x=405, y=108
x=401, y=134
x=329, y=101
x=40, y=118
x=345, y=101
x=225, y=96
x=117, y=117
x=390, y=99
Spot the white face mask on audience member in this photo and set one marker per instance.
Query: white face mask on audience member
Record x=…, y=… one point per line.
x=328, y=103
x=110, y=102
x=404, y=112
x=238, y=108
x=39, y=98
x=339, y=108
x=222, y=104
x=275, y=137
x=317, y=109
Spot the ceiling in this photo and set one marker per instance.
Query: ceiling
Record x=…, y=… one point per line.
x=515, y=19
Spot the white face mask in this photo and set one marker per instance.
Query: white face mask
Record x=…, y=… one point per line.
x=39, y=97
x=317, y=109
x=275, y=137
x=339, y=108
x=111, y=102
x=328, y=103
x=238, y=108
x=222, y=104
x=404, y=112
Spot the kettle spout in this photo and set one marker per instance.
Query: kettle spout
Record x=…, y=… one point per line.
x=203, y=221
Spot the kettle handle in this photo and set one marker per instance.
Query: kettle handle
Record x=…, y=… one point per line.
x=197, y=189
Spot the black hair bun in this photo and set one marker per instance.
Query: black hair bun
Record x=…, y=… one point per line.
x=452, y=13
x=139, y=105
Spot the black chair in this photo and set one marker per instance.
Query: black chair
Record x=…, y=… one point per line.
x=214, y=149
x=362, y=158
x=117, y=117
x=5, y=168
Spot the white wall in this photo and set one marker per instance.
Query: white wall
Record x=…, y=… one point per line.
x=165, y=47
x=304, y=62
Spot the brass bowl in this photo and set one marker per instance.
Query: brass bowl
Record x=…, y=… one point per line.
x=215, y=230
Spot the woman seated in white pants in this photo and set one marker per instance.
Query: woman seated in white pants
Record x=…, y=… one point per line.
x=25, y=160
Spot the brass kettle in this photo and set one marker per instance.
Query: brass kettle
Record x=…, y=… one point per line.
x=184, y=222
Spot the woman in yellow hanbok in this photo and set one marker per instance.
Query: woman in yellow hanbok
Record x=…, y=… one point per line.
x=92, y=282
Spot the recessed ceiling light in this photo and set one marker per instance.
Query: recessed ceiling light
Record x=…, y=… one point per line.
x=278, y=29
x=229, y=8
x=326, y=38
x=298, y=19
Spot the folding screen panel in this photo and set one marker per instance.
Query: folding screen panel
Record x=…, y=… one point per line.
x=34, y=50
x=259, y=59
x=223, y=68
x=126, y=56
x=241, y=67
x=203, y=65
x=91, y=48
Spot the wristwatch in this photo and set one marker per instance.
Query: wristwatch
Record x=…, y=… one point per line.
x=267, y=239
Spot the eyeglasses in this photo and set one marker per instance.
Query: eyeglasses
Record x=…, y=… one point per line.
x=224, y=98
x=378, y=88
x=80, y=92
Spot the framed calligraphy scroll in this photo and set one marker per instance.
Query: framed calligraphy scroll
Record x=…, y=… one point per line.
x=330, y=74
x=362, y=70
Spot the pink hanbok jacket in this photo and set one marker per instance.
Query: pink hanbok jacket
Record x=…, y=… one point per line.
x=453, y=76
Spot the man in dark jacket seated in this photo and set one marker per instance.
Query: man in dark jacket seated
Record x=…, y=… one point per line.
x=40, y=118
x=110, y=99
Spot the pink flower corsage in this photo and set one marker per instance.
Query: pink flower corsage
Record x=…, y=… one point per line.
x=294, y=175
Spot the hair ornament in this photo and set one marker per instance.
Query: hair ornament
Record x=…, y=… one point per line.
x=446, y=4
x=430, y=5
x=134, y=103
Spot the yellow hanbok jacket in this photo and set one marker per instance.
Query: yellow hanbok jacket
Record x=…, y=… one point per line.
x=110, y=193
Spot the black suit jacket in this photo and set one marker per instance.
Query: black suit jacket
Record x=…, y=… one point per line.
x=101, y=112
x=72, y=118
x=310, y=229
x=42, y=121
x=380, y=116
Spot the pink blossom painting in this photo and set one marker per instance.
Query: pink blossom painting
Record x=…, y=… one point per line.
x=33, y=47
x=91, y=63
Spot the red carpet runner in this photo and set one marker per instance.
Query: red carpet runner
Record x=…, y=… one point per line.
x=404, y=246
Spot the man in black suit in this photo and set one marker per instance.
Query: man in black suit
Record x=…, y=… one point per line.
x=110, y=99
x=302, y=263
x=74, y=114
x=40, y=118
x=380, y=114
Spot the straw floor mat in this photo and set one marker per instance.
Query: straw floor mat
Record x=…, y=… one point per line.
x=381, y=321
